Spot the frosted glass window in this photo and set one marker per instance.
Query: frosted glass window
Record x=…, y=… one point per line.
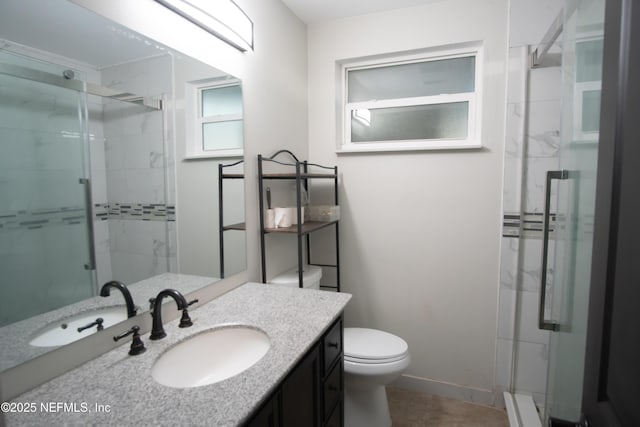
x=221, y=122
x=591, y=111
x=225, y=135
x=413, y=102
x=428, y=78
x=588, y=75
x=589, y=61
x=222, y=101
x=439, y=121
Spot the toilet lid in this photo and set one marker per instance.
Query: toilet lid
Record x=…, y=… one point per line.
x=371, y=344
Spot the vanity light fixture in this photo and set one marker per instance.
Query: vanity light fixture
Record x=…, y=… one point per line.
x=222, y=18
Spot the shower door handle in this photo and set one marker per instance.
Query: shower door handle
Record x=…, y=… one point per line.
x=90, y=232
x=542, y=322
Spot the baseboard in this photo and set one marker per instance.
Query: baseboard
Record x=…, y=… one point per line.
x=521, y=410
x=512, y=411
x=453, y=391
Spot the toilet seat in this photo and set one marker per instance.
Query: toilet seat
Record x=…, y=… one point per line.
x=371, y=346
x=373, y=361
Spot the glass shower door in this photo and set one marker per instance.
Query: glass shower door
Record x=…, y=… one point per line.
x=567, y=299
x=45, y=256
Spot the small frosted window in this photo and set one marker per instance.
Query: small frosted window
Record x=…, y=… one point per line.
x=222, y=101
x=225, y=135
x=589, y=61
x=591, y=111
x=429, y=78
x=221, y=119
x=413, y=102
x=439, y=121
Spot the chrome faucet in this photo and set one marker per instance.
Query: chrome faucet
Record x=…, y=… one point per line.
x=157, y=330
x=105, y=291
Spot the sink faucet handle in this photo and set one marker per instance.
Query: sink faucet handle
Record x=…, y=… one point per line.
x=97, y=323
x=137, y=346
x=185, y=320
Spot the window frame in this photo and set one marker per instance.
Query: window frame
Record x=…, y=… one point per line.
x=474, y=99
x=196, y=120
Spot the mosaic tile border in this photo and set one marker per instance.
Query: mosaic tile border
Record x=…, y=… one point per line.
x=135, y=211
x=528, y=224
x=32, y=220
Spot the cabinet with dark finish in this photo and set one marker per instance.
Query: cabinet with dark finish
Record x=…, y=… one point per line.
x=312, y=393
x=300, y=393
x=332, y=375
x=268, y=415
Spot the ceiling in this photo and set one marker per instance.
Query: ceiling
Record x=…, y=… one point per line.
x=311, y=11
x=63, y=28
x=60, y=27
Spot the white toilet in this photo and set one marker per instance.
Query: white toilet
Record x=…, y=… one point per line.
x=311, y=276
x=372, y=359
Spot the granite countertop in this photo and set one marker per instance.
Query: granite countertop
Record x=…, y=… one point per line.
x=15, y=348
x=293, y=318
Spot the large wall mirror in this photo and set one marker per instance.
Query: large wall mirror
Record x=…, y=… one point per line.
x=110, y=146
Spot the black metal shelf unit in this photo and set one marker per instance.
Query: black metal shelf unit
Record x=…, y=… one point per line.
x=221, y=227
x=301, y=176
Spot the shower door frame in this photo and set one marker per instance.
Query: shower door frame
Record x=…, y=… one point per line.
x=78, y=85
x=614, y=274
x=65, y=82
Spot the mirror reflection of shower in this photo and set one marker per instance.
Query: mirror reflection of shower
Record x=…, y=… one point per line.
x=83, y=195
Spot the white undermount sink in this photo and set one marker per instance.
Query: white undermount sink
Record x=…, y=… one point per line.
x=65, y=331
x=210, y=357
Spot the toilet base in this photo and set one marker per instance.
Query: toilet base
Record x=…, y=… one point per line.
x=366, y=407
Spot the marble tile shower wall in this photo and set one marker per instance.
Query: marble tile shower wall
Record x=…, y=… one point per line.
x=135, y=228
x=531, y=149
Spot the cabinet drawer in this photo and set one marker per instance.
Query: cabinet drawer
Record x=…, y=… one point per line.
x=332, y=390
x=332, y=345
x=336, y=418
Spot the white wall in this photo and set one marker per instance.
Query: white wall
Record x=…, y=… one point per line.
x=421, y=230
x=197, y=189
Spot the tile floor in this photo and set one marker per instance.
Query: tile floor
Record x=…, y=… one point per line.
x=416, y=409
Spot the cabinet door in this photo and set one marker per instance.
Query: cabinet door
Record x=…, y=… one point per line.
x=268, y=415
x=332, y=344
x=332, y=390
x=301, y=393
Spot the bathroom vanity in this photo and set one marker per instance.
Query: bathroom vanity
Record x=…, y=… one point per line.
x=297, y=382
x=312, y=393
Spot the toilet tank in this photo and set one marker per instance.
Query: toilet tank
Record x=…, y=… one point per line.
x=311, y=277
